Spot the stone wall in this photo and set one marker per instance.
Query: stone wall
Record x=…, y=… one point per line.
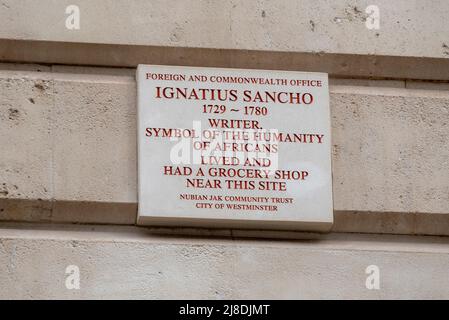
x=68, y=141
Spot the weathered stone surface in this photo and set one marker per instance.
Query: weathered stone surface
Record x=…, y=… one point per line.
x=26, y=103
x=290, y=26
x=68, y=149
x=77, y=143
x=94, y=133
x=390, y=149
x=132, y=263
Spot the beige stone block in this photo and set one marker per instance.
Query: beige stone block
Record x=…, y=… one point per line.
x=94, y=138
x=289, y=26
x=25, y=135
x=124, y=262
x=390, y=149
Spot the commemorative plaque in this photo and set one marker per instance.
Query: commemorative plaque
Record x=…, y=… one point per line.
x=234, y=148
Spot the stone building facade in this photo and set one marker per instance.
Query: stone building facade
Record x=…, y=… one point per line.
x=68, y=168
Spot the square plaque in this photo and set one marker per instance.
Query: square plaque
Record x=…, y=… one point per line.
x=234, y=148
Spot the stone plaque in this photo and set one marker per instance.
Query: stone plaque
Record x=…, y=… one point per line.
x=234, y=148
